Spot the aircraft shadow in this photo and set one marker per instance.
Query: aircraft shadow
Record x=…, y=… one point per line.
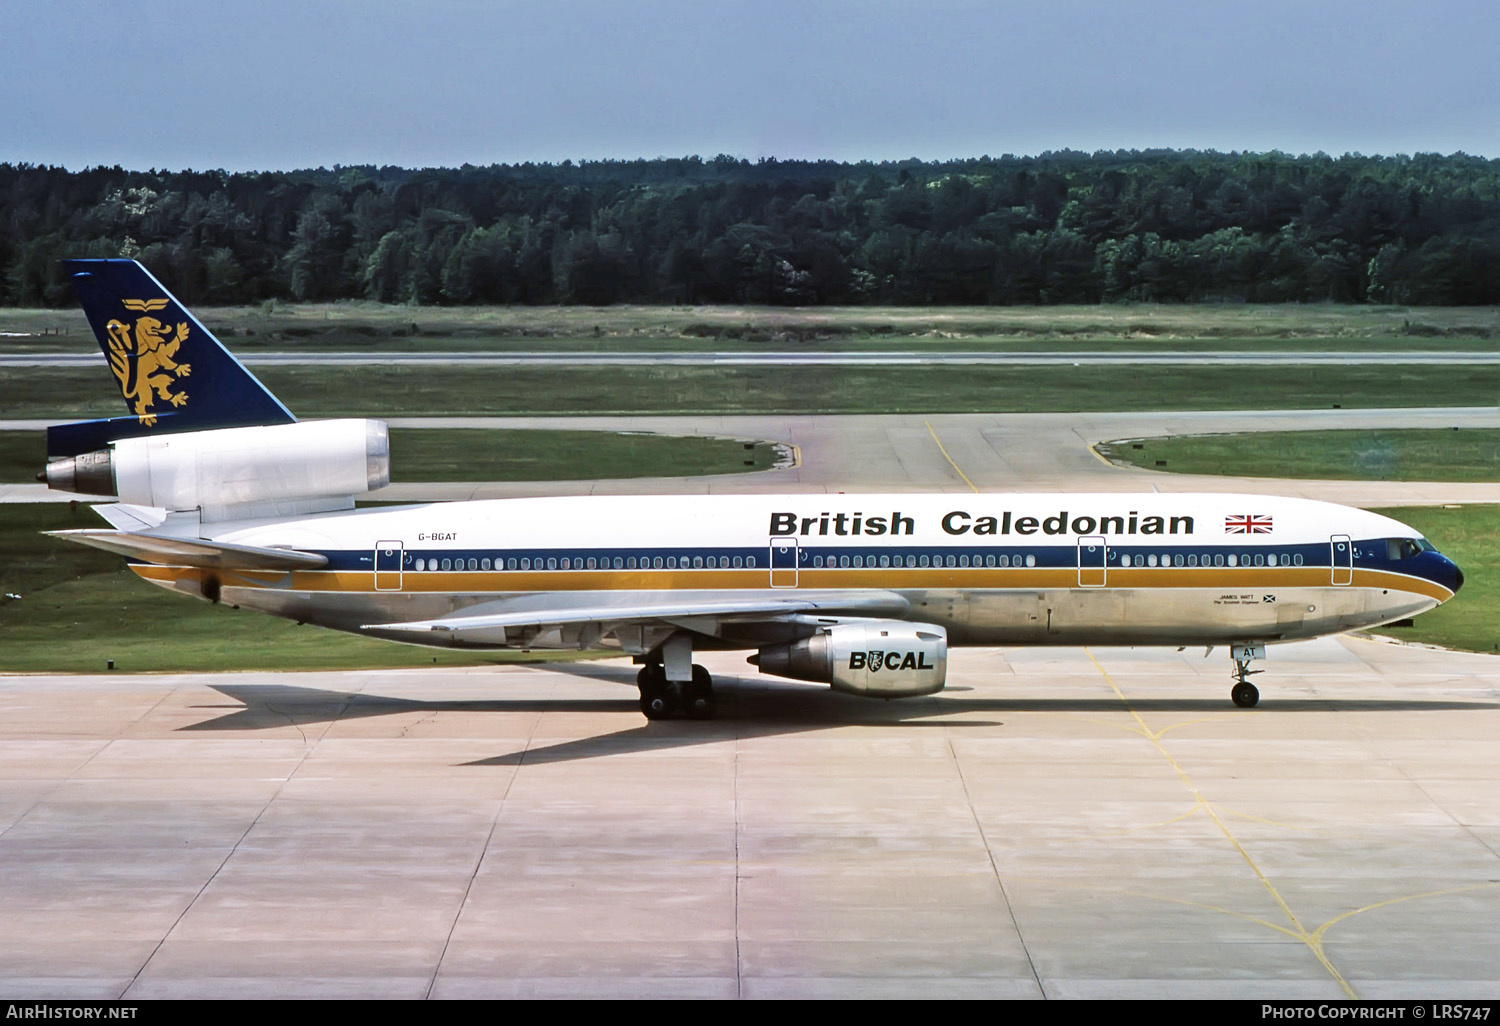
x=279, y=705
x=747, y=709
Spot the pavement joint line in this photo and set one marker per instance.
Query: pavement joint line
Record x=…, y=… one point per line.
x=994, y=867
x=944, y=451
x=146, y=964
x=484, y=851
x=104, y=745
x=1313, y=940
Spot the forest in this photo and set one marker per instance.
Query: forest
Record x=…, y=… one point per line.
x=1063, y=227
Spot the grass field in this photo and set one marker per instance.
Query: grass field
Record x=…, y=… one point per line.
x=79, y=607
x=509, y=455
x=45, y=393
x=1471, y=454
x=370, y=326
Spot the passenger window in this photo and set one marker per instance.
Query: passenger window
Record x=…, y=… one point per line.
x=656, y=564
x=510, y=564
x=1233, y=559
x=446, y=564
x=1031, y=561
x=1260, y=559
x=750, y=562
x=1177, y=561
x=1192, y=559
x=1151, y=559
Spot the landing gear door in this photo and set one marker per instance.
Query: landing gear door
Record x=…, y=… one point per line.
x=1342, y=550
x=1091, y=562
x=388, y=556
x=783, y=562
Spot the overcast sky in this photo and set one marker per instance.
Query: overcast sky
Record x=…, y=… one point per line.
x=279, y=84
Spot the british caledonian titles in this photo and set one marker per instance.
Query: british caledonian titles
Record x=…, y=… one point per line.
x=962, y=522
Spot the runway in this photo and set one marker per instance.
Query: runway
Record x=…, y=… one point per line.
x=1059, y=823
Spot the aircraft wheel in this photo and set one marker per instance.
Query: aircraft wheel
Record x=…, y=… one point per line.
x=701, y=702
x=1245, y=695
x=656, y=696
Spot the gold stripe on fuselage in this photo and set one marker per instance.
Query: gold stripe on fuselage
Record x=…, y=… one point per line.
x=471, y=582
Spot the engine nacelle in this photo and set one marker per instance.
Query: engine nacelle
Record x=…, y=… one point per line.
x=885, y=659
x=282, y=466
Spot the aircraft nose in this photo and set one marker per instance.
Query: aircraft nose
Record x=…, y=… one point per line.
x=1448, y=574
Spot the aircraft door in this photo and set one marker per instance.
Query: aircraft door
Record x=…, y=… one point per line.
x=1091, y=562
x=1342, y=550
x=784, y=558
x=388, y=556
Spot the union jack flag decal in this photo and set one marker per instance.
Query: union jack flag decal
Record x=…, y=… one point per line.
x=1247, y=523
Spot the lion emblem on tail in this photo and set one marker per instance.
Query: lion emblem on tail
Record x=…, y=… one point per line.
x=146, y=364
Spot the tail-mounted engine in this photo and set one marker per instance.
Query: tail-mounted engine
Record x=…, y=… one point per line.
x=884, y=659
x=237, y=471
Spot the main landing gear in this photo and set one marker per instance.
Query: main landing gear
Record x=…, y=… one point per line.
x=663, y=699
x=1244, y=694
x=675, y=685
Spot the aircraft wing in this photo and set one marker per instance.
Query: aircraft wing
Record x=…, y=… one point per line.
x=192, y=552
x=488, y=624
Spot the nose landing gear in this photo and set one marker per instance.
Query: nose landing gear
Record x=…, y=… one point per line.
x=1244, y=694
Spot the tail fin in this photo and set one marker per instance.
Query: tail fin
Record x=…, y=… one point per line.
x=173, y=374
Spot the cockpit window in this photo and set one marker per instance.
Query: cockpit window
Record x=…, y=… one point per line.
x=1405, y=548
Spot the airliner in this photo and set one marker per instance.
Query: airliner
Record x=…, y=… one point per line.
x=221, y=494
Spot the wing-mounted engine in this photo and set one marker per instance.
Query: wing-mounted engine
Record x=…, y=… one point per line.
x=878, y=659
x=237, y=472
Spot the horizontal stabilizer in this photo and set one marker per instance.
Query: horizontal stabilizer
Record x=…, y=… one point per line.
x=192, y=552
x=461, y=624
x=123, y=516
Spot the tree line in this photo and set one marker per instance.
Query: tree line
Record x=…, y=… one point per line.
x=1062, y=227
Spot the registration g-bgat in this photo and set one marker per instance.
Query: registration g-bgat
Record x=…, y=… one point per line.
x=221, y=494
